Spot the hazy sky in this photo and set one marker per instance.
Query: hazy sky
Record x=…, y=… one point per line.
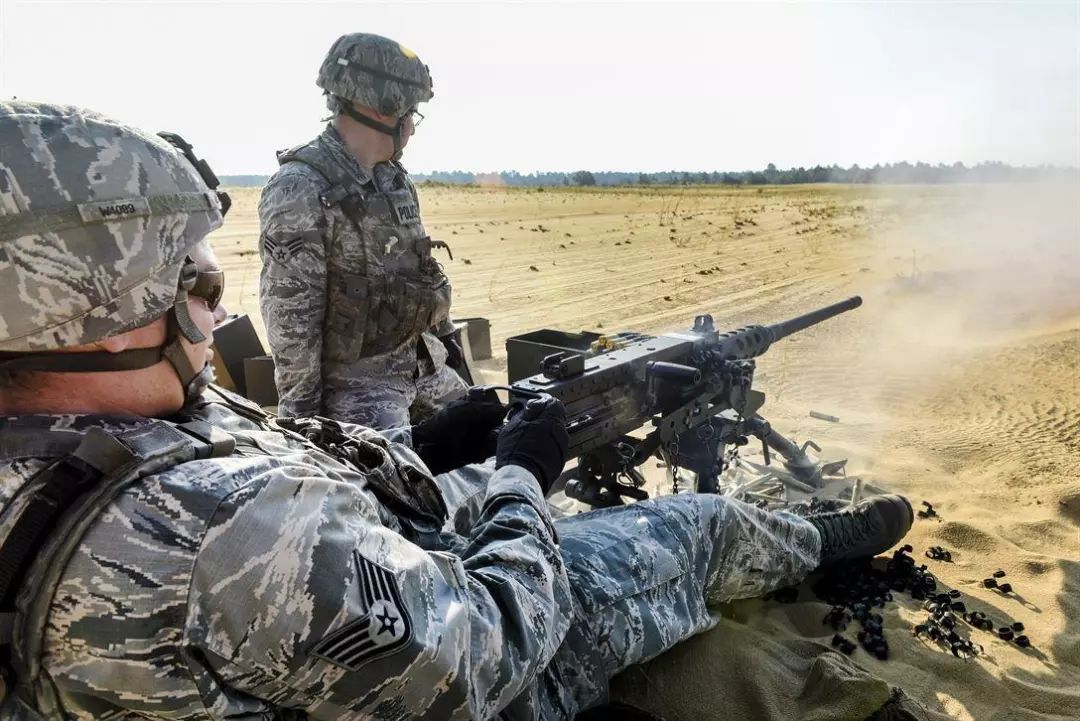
x=604, y=86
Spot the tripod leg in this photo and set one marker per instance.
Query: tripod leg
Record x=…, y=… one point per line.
x=702, y=456
x=804, y=469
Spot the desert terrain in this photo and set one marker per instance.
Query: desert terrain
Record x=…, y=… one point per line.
x=957, y=382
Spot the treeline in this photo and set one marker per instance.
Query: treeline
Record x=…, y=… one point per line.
x=903, y=172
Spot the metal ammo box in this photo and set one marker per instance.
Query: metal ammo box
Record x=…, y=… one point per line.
x=525, y=352
x=235, y=340
x=478, y=336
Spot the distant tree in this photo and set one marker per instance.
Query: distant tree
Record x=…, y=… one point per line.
x=583, y=177
x=900, y=172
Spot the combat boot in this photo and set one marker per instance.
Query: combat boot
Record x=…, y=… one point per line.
x=863, y=530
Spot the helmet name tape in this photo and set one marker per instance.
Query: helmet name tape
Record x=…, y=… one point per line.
x=114, y=209
x=105, y=211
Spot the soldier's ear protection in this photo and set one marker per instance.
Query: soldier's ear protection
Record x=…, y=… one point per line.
x=201, y=167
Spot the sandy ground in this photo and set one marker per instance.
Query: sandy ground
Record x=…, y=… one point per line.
x=957, y=382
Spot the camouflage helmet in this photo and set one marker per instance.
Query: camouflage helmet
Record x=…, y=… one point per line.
x=375, y=72
x=96, y=221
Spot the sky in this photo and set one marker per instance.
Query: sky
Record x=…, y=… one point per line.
x=532, y=86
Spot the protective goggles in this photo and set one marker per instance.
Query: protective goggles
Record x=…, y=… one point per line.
x=206, y=284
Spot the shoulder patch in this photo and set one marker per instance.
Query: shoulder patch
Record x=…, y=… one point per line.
x=383, y=629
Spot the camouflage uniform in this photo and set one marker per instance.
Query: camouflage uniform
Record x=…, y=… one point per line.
x=349, y=339
x=349, y=289
x=273, y=579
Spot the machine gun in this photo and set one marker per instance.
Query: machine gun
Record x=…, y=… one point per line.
x=691, y=393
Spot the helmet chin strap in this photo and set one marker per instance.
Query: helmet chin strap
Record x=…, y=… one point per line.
x=396, y=131
x=180, y=323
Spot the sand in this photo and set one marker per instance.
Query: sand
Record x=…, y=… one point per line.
x=957, y=382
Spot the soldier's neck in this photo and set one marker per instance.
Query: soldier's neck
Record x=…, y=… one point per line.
x=148, y=392
x=367, y=146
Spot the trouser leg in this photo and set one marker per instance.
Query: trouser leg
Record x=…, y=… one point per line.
x=434, y=391
x=381, y=403
x=644, y=574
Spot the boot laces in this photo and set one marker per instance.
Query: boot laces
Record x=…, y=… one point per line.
x=844, y=528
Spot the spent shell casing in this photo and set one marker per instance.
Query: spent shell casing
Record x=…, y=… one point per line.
x=824, y=417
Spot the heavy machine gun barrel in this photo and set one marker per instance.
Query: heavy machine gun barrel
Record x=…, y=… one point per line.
x=752, y=341
x=802, y=322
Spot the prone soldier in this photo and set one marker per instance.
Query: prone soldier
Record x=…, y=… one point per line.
x=169, y=551
x=355, y=306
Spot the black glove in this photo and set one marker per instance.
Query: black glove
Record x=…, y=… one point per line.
x=461, y=433
x=535, y=438
x=455, y=356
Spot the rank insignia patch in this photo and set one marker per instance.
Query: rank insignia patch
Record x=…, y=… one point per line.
x=281, y=249
x=383, y=629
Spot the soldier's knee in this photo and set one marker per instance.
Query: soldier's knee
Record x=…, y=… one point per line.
x=693, y=508
x=696, y=519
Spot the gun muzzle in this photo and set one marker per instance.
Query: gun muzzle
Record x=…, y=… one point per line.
x=785, y=328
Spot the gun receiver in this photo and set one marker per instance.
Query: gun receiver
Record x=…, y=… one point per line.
x=693, y=388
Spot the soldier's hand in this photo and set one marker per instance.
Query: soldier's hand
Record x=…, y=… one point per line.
x=455, y=355
x=535, y=438
x=461, y=433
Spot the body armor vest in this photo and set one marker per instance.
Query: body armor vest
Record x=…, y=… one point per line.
x=383, y=286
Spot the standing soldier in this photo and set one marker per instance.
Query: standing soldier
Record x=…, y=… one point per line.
x=354, y=304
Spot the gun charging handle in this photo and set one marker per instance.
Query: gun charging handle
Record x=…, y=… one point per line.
x=673, y=372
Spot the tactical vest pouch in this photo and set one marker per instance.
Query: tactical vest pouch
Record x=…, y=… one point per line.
x=347, y=319
x=405, y=308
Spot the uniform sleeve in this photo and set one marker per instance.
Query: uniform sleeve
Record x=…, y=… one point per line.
x=292, y=289
x=301, y=597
